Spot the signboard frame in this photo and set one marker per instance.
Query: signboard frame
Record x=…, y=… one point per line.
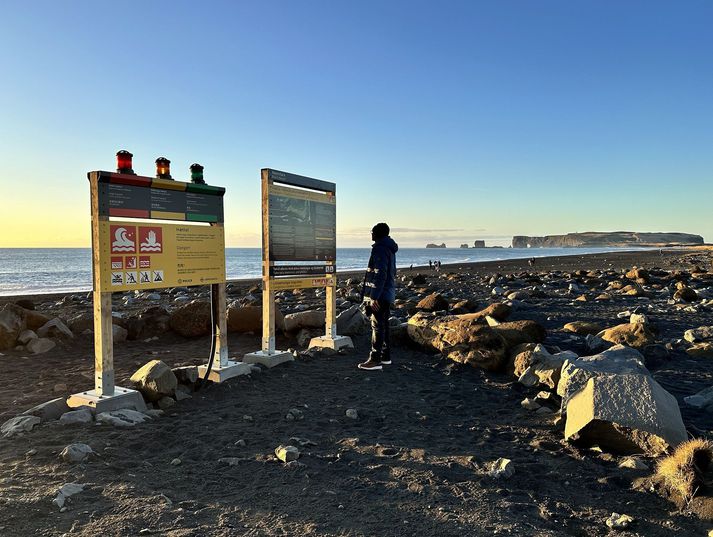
x=268, y=355
x=106, y=396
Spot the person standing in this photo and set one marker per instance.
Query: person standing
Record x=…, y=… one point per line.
x=379, y=294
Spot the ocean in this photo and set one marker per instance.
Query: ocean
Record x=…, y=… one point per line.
x=58, y=270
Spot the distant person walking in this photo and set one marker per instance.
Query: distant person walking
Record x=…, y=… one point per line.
x=430, y=264
x=379, y=293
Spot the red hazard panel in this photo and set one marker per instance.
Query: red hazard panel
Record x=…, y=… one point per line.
x=117, y=263
x=144, y=261
x=130, y=262
x=150, y=240
x=123, y=239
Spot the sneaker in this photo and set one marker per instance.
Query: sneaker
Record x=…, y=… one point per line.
x=370, y=365
x=386, y=362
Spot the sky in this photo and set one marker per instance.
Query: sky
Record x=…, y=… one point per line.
x=451, y=121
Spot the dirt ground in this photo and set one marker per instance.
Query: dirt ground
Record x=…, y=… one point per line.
x=412, y=463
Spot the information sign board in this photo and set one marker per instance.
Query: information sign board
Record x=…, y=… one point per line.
x=133, y=255
x=302, y=224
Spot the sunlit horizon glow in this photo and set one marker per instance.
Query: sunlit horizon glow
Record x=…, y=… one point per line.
x=451, y=122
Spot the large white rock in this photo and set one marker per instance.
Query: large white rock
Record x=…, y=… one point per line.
x=304, y=319
x=76, y=417
x=26, y=336
x=617, y=360
x=66, y=491
x=122, y=418
x=625, y=413
x=55, y=328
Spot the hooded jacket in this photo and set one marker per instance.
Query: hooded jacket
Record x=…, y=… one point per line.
x=380, y=279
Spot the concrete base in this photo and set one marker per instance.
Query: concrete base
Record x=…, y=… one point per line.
x=120, y=399
x=221, y=374
x=335, y=343
x=268, y=359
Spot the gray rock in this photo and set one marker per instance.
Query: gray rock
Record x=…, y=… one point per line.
x=26, y=336
x=18, y=424
x=304, y=319
x=122, y=418
x=12, y=324
x=65, y=492
x=702, y=399
x=186, y=374
x=40, y=345
x=352, y=322
x=55, y=328
x=76, y=453
x=287, y=453
x=119, y=334
x=166, y=402
x=352, y=413
x=501, y=469
x=50, y=410
x=625, y=413
x=75, y=417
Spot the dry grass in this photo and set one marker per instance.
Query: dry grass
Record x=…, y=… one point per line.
x=687, y=468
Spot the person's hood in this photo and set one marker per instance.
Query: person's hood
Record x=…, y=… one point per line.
x=388, y=243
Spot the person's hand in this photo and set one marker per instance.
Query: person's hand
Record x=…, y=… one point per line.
x=374, y=305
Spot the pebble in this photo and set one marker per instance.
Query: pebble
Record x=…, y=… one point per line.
x=502, y=468
x=619, y=522
x=176, y=462
x=352, y=413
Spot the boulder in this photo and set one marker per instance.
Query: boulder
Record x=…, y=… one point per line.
x=18, y=424
x=700, y=334
x=76, y=453
x=40, y=345
x=419, y=279
x=518, y=332
x=50, y=410
x=186, y=374
x=122, y=418
x=702, y=399
x=304, y=319
x=583, y=328
x=12, y=323
x=461, y=340
x=151, y=322
x=576, y=373
x=76, y=417
x=701, y=350
x=192, y=319
x=432, y=302
x=119, y=334
x=55, y=328
x=26, y=336
x=243, y=319
x=34, y=319
x=352, y=322
x=496, y=310
x=155, y=380
x=686, y=294
x=633, y=335
x=626, y=414
x=537, y=366
x=638, y=274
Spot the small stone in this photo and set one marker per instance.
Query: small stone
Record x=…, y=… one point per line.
x=247, y=418
x=166, y=402
x=294, y=414
x=633, y=463
x=241, y=443
x=40, y=345
x=287, y=453
x=176, y=462
x=76, y=453
x=502, y=468
x=529, y=404
x=352, y=413
x=59, y=388
x=619, y=522
x=65, y=491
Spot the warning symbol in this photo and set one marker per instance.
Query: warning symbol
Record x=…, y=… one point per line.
x=158, y=276
x=144, y=261
x=117, y=263
x=123, y=239
x=130, y=278
x=144, y=276
x=151, y=239
x=130, y=262
x=117, y=278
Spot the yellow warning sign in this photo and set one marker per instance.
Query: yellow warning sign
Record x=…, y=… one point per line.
x=141, y=256
x=286, y=284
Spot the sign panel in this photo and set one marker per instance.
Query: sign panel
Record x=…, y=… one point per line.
x=134, y=255
x=300, y=270
x=302, y=225
x=288, y=284
x=126, y=196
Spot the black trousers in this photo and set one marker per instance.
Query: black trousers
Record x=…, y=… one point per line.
x=380, y=344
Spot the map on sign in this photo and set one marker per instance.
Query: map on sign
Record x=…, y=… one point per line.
x=135, y=255
x=302, y=225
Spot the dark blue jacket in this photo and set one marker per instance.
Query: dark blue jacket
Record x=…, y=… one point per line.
x=380, y=279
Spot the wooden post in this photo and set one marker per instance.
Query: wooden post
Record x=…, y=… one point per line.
x=103, y=326
x=268, y=295
x=331, y=296
x=220, y=324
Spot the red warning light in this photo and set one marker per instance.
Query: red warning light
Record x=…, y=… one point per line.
x=123, y=162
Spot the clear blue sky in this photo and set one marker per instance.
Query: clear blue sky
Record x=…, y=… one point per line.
x=449, y=120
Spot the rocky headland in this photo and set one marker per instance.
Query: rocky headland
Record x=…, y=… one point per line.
x=610, y=239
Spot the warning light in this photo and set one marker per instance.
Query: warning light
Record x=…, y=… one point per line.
x=123, y=162
x=163, y=168
x=197, y=174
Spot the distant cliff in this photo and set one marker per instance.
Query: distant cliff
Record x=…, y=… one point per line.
x=615, y=238
x=431, y=245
